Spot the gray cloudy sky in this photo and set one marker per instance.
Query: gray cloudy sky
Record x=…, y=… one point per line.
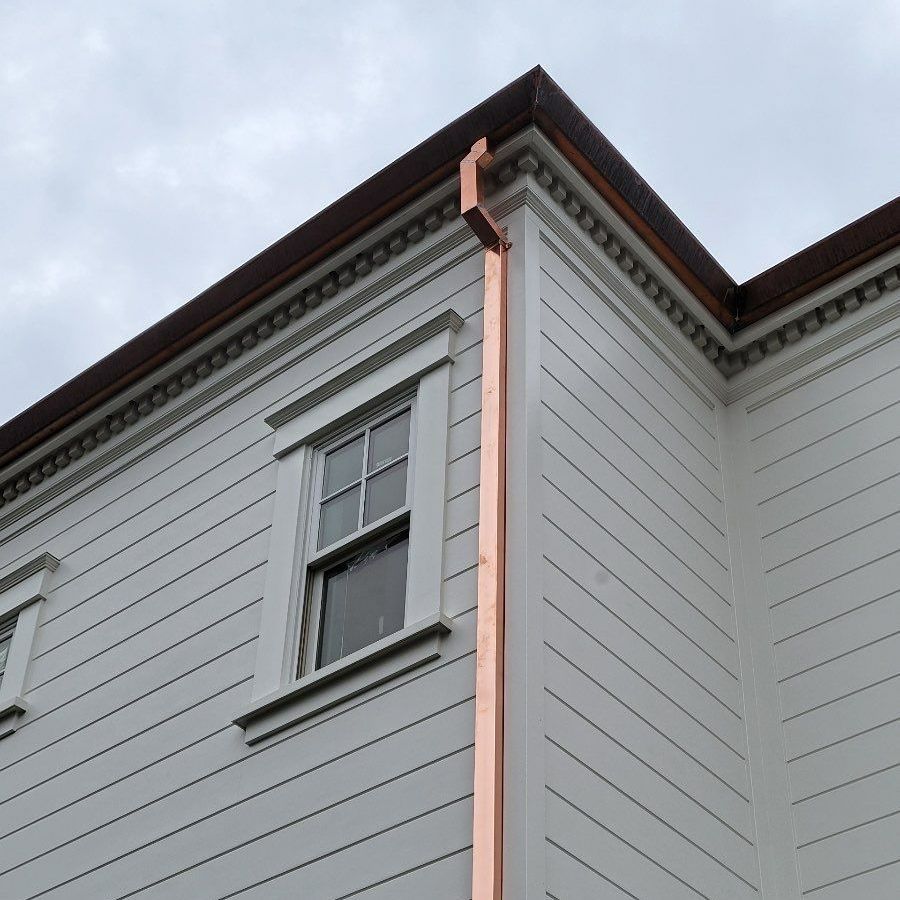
x=148, y=148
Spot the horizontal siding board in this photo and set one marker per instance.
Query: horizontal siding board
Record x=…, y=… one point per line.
x=616, y=457
x=848, y=447
x=845, y=762
x=189, y=552
x=608, y=855
x=690, y=575
x=815, y=427
x=659, y=843
x=565, y=366
x=843, y=483
x=102, y=713
x=838, y=636
x=447, y=827
x=631, y=350
x=577, y=567
x=272, y=789
x=863, y=370
x=852, y=852
x=843, y=719
x=626, y=380
x=568, y=876
x=846, y=675
x=232, y=571
x=710, y=819
x=644, y=658
x=633, y=696
x=872, y=799
x=627, y=568
x=642, y=739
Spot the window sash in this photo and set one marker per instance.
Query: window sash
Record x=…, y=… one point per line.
x=318, y=561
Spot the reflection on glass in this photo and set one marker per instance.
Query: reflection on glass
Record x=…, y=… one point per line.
x=389, y=441
x=4, y=653
x=339, y=517
x=363, y=599
x=343, y=466
x=385, y=492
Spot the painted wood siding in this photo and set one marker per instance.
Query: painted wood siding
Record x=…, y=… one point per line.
x=647, y=791
x=826, y=474
x=127, y=777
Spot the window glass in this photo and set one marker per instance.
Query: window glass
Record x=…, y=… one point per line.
x=339, y=517
x=389, y=441
x=385, y=492
x=5, y=642
x=343, y=466
x=363, y=599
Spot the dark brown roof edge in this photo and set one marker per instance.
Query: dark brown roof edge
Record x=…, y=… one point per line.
x=532, y=98
x=820, y=263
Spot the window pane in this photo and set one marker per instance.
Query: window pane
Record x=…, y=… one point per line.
x=4, y=653
x=364, y=599
x=339, y=517
x=385, y=492
x=343, y=466
x=389, y=441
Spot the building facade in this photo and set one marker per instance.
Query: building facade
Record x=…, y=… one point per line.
x=242, y=592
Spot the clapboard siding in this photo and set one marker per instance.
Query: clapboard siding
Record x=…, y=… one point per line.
x=127, y=775
x=647, y=788
x=827, y=481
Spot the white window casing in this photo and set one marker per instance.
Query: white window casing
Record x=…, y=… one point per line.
x=412, y=369
x=21, y=593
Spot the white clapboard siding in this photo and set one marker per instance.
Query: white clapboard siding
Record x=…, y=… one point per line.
x=127, y=775
x=828, y=484
x=647, y=787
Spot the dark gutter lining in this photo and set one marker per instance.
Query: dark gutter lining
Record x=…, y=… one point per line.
x=534, y=98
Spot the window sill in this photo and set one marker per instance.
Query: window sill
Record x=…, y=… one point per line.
x=11, y=708
x=400, y=652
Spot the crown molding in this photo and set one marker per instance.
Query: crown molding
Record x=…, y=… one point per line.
x=358, y=267
x=714, y=355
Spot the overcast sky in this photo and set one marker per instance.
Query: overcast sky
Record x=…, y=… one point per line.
x=148, y=148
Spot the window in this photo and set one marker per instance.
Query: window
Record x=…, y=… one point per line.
x=6, y=636
x=360, y=531
x=21, y=594
x=352, y=595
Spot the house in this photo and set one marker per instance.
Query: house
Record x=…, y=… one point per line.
x=254, y=643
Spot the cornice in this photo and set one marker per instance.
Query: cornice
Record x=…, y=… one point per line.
x=524, y=155
x=729, y=355
x=147, y=403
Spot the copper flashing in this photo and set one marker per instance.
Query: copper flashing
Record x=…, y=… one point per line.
x=487, y=826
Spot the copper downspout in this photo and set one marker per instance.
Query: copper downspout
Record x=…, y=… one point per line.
x=487, y=830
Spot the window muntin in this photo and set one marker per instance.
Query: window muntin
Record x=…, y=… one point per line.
x=360, y=534
x=6, y=636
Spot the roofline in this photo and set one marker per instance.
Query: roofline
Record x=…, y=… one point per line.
x=534, y=98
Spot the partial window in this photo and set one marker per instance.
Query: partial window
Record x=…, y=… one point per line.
x=6, y=636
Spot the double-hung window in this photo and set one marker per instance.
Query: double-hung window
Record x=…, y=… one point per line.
x=354, y=573
x=360, y=535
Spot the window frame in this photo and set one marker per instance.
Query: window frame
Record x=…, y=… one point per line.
x=320, y=560
x=412, y=363
x=21, y=593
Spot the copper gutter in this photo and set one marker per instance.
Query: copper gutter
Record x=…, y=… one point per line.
x=487, y=826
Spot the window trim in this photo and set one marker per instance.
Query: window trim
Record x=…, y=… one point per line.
x=21, y=591
x=415, y=363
